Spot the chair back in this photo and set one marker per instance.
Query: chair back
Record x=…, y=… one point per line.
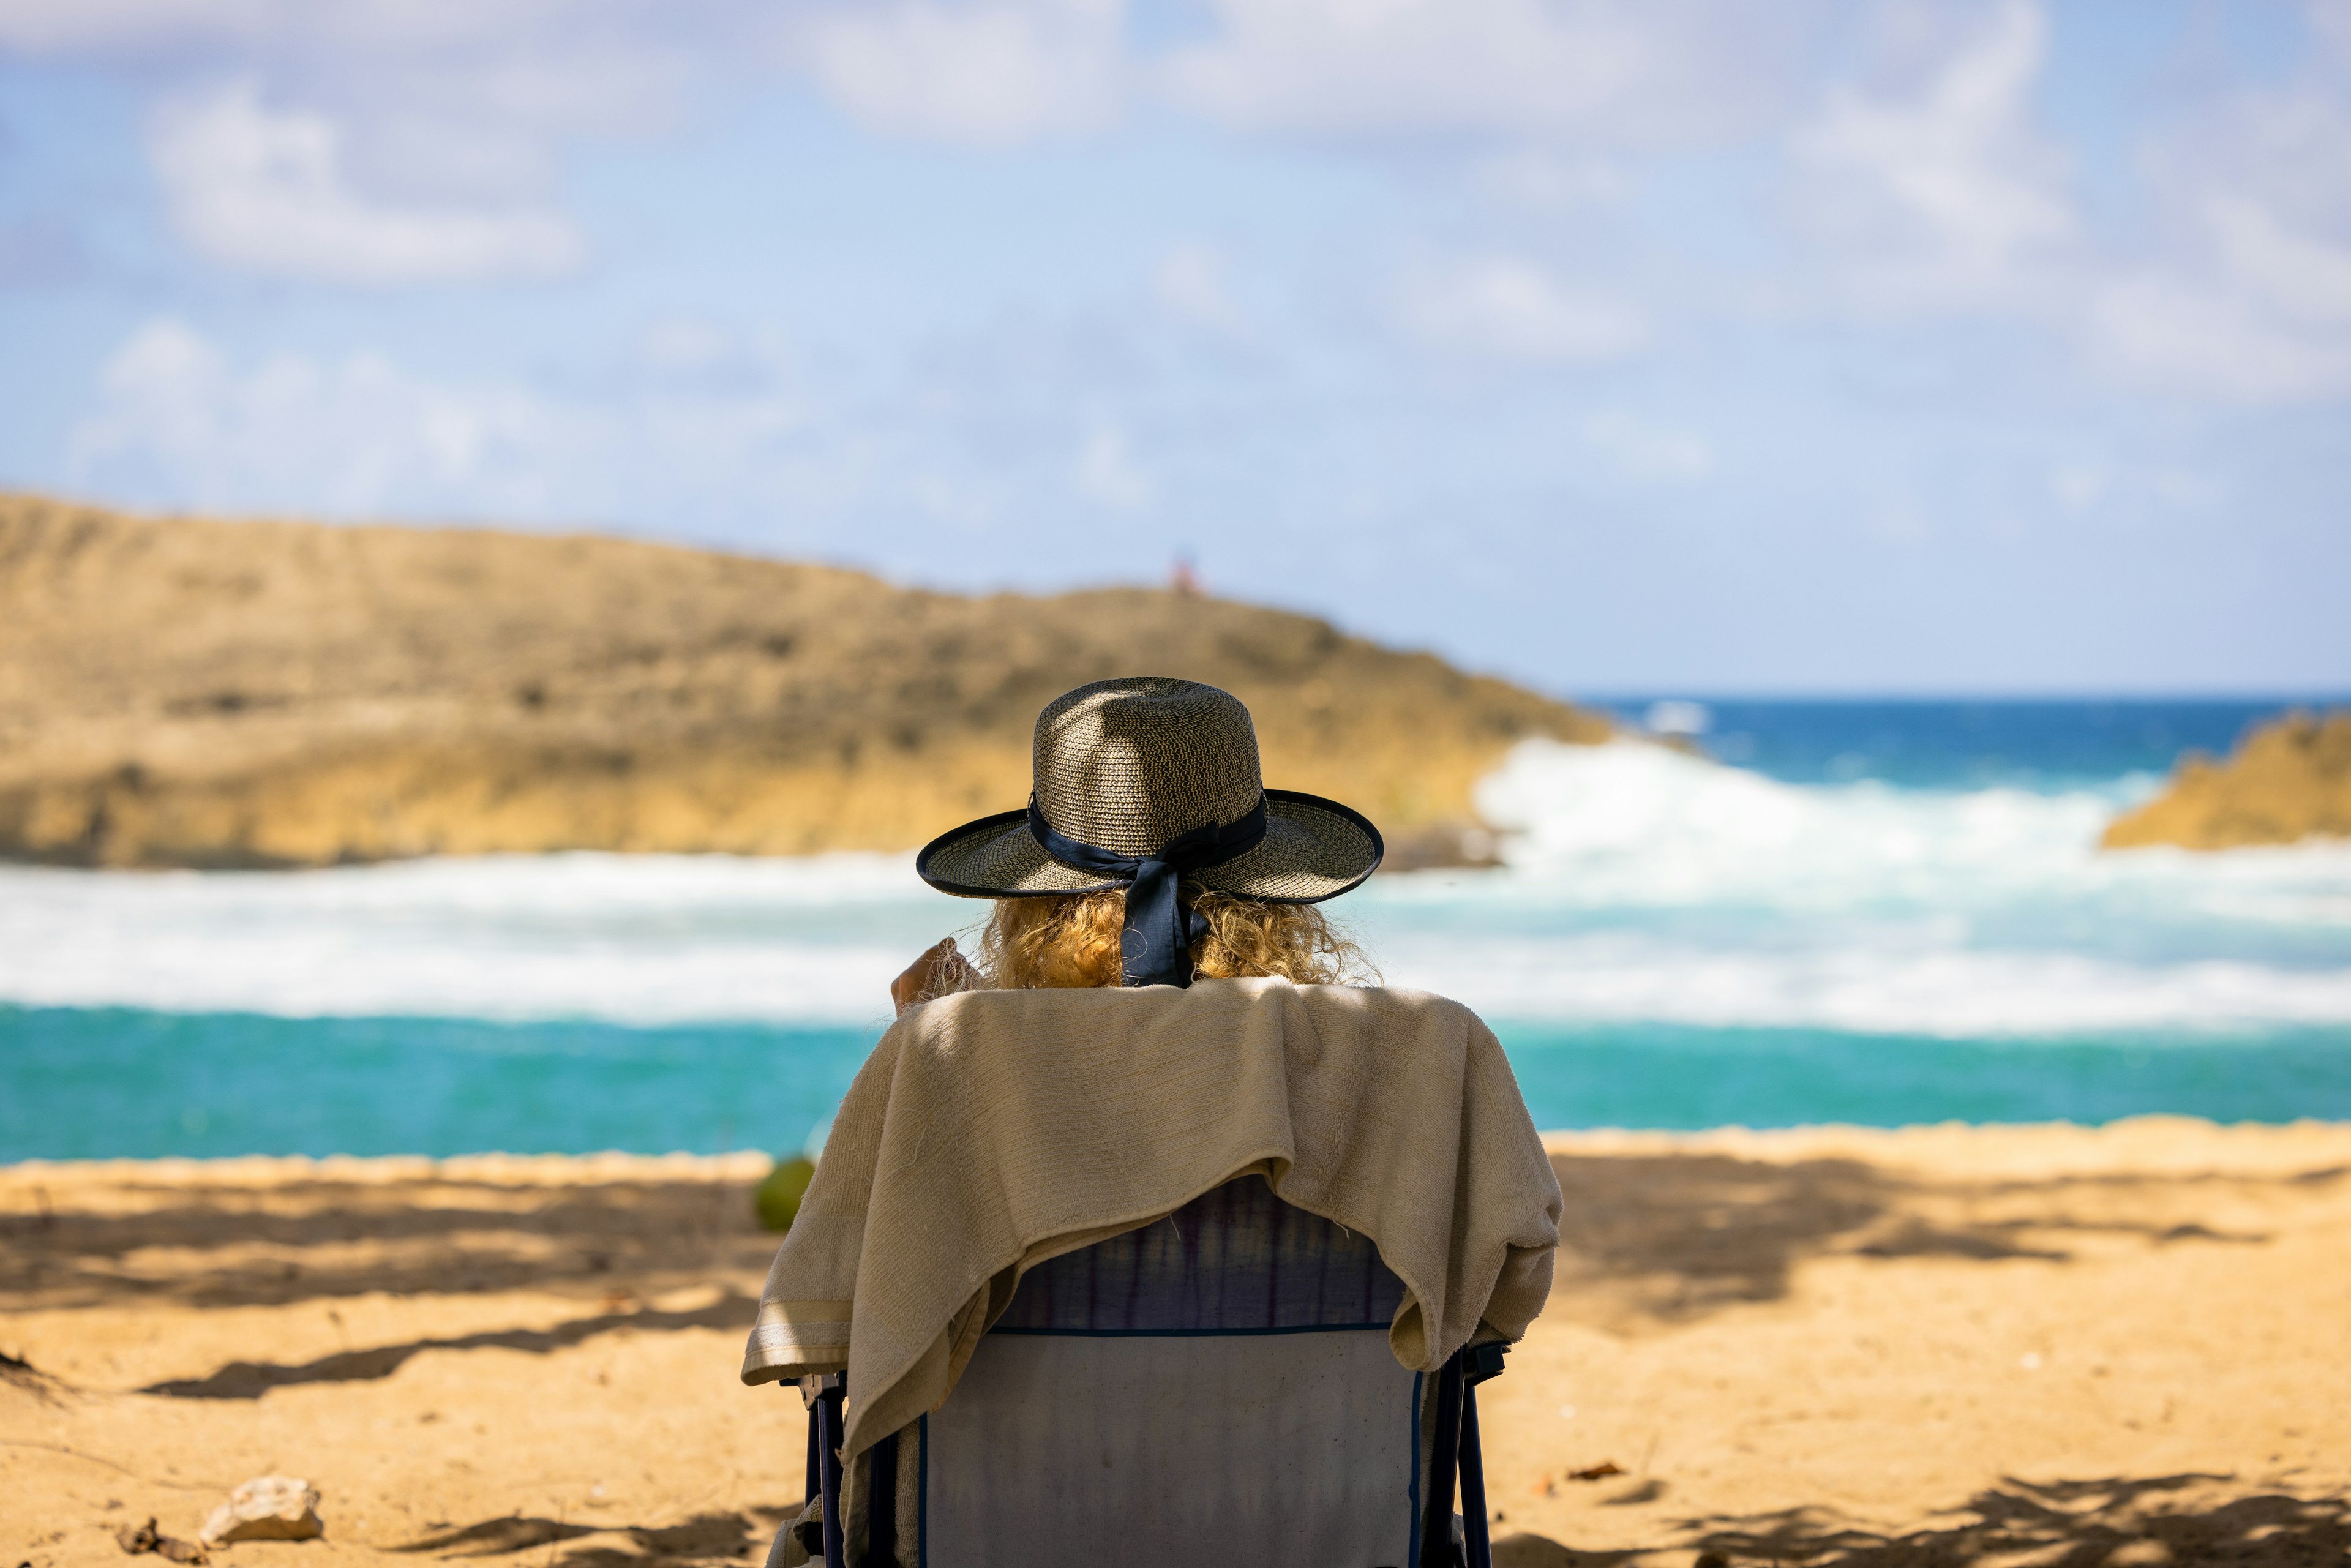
x=1215, y=1387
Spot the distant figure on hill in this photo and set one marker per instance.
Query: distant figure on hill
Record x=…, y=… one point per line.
x=1160, y=1234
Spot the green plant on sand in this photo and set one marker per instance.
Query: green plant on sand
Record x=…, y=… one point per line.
x=776, y=1199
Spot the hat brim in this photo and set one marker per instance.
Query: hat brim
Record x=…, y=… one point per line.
x=1314, y=848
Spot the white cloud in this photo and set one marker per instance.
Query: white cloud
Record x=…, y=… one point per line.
x=2087, y=485
x=1505, y=307
x=1000, y=71
x=2249, y=297
x=1643, y=451
x=400, y=141
x=1543, y=181
x=1948, y=197
x=682, y=346
x=1190, y=285
x=1945, y=195
x=1647, y=73
x=2080, y=486
x=443, y=97
x=268, y=190
x=59, y=25
x=404, y=142
x=2305, y=277
x=1643, y=72
x=377, y=141
x=1106, y=472
x=2182, y=337
x=354, y=436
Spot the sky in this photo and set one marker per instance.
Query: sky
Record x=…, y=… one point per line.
x=1614, y=345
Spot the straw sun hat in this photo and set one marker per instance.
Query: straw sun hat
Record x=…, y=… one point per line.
x=1140, y=782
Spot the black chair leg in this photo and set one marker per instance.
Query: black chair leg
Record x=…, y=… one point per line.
x=1436, y=1511
x=827, y=1417
x=1473, y=1484
x=881, y=1513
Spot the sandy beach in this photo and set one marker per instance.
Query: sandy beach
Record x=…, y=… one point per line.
x=2025, y=1346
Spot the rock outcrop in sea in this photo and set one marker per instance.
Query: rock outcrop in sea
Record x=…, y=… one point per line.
x=202, y=693
x=2289, y=780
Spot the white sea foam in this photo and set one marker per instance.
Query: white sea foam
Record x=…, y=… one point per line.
x=651, y=939
x=1645, y=884
x=1634, y=825
x=1891, y=989
x=1641, y=885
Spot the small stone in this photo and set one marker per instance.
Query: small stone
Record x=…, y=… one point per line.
x=267, y=1508
x=146, y=1538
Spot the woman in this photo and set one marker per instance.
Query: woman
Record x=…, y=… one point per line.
x=1149, y=854
x=1121, y=1268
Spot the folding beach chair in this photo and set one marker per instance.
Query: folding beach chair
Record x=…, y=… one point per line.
x=1215, y=1387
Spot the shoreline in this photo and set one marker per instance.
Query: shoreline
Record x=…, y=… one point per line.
x=2173, y=1142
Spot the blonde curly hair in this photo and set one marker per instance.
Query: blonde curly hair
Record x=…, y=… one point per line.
x=1073, y=940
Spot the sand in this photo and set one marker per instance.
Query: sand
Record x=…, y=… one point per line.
x=2016, y=1346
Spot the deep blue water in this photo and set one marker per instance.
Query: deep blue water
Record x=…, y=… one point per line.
x=2051, y=744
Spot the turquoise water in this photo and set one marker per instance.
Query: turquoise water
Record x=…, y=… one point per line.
x=1889, y=913
x=94, y=1082
x=88, y=1083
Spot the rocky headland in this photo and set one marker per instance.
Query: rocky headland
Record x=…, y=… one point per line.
x=179, y=691
x=2287, y=780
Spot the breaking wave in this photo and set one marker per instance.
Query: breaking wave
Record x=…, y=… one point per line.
x=1640, y=884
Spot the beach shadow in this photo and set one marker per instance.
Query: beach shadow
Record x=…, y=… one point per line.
x=706, y=1537
x=17, y=1372
x=1684, y=1234
x=494, y=1537
x=251, y=1380
x=1650, y=1240
x=1524, y=1551
x=2136, y=1522
x=306, y=1241
x=2069, y=1524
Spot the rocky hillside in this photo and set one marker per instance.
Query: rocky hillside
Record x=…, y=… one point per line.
x=269, y=694
x=2289, y=780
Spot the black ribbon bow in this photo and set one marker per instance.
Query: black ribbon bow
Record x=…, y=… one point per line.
x=1156, y=947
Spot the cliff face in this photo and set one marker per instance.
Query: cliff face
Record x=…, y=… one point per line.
x=2289, y=780
x=263, y=694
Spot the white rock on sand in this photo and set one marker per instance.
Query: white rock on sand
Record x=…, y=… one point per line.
x=267, y=1508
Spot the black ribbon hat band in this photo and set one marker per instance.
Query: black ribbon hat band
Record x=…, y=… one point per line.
x=1155, y=945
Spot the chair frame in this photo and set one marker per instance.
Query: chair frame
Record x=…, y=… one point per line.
x=1458, y=1460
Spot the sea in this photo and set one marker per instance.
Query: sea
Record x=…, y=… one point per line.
x=1881, y=913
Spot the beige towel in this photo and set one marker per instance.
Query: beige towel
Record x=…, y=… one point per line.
x=993, y=1130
